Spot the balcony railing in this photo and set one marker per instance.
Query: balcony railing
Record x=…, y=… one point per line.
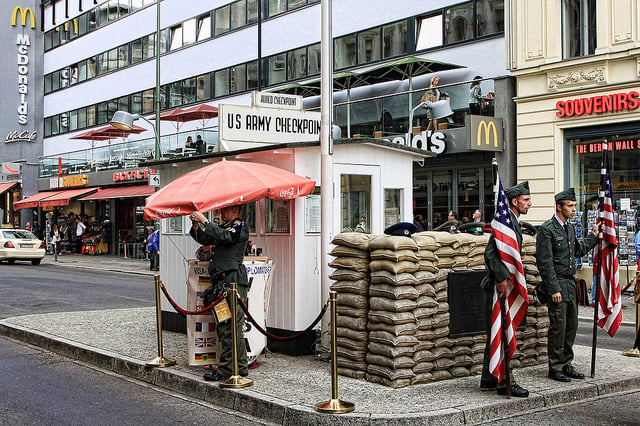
x=125, y=155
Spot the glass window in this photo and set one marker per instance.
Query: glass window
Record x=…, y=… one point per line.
x=73, y=121
x=204, y=27
x=355, y=208
x=164, y=96
x=103, y=113
x=458, y=23
x=175, y=93
x=91, y=115
x=369, y=46
x=174, y=225
x=238, y=76
x=252, y=75
x=82, y=71
x=442, y=201
x=252, y=11
x=136, y=51
x=189, y=91
x=103, y=63
x=222, y=83
x=47, y=83
x=83, y=23
x=113, y=59
x=55, y=80
x=73, y=74
x=277, y=6
x=136, y=103
x=204, y=87
x=294, y=4
x=122, y=104
x=277, y=68
x=82, y=118
x=91, y=68
x=164, y=40
x=147, y=101
x=345, y=51
x=123, y=56
x=314, y=59
x=176, y=38
x=148, y=46
x=393, y=199
x=277, y=216
x=103, y=14
x=93, y=19
x=222, y=20
x=189, y=32
x=489, y=17
x=238, y=14
x=136, y=5
x=296, y=63
x=47, y=127
x=48, y=40
x=579, y=27
x=55, y=125
x=468, y=193
x=394, y=39
x=248, y=213
x=65, y=80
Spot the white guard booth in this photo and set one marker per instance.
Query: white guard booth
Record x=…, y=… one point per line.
x=372, y=181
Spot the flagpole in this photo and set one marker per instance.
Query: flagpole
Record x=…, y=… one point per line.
x=502, y=301
x=598, y=264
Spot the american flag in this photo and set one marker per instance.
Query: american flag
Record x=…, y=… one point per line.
x=517, y=299
x=609, y=303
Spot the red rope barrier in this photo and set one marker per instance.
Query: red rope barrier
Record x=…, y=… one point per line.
x=280, y=338
x=185, y=312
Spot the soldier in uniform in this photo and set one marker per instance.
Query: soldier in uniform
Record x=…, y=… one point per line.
x=230, y=242
x=556, y=250
x=519, y=203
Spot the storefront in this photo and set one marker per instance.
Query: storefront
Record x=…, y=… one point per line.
x=9, y=193
x=564, y=149
x=111, y=205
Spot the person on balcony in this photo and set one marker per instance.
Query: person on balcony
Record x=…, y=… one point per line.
x=475, y=93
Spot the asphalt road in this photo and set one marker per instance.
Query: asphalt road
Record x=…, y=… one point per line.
x=42, y=388
x=38, y=387
x=46, y=288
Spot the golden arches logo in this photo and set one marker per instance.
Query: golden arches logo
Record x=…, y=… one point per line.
x=23, y=16
x=487, y=128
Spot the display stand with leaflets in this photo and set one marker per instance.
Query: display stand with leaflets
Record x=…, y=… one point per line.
x=203, y=346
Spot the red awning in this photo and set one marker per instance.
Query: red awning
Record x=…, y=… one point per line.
x=62, y=198
x=33, y=200
x=120, y=192
x=4, y=187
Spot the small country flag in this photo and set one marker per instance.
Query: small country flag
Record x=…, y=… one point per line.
x=205, y=327
x=205, y=342
x=206, y=357
x=204, y=282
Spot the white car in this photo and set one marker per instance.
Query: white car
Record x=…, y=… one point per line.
x=20, y=244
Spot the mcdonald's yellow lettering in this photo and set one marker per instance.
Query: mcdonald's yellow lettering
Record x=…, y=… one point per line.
x=24, y=13
x=485, y=129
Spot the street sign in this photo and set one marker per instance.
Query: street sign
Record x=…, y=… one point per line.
x=268, y=125
x=154, y=179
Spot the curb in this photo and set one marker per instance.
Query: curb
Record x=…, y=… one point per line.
x=283, y=412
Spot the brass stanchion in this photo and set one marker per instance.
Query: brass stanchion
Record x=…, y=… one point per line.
x=335, y=406
x=160, y=360
x=235, y=381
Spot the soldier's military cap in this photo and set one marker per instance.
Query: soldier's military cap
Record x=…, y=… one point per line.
x=520, y=189
x=567, y=194
x=401, y=228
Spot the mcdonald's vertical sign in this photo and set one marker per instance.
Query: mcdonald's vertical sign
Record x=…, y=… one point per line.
x=484, y=133
x=25, y=17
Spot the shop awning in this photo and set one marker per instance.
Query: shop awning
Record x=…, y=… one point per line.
x=4, y=187
x=121, y=192
x=33, y=200
x=62, y=198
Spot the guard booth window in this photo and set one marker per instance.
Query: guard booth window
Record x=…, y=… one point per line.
x=355, y=208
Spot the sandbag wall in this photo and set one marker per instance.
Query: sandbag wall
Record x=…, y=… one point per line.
x=393, y=315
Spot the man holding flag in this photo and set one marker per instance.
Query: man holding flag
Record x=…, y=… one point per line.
x=504, y=282
x=556, y=250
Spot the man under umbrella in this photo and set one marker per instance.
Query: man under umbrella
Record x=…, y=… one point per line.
x=229, y=242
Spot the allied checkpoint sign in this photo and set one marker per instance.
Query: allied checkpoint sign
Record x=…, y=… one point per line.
x=260, y=125
x=203, y=345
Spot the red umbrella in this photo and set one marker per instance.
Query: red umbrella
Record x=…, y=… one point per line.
x=201, y=112
x=223, y=184
x=107, y=132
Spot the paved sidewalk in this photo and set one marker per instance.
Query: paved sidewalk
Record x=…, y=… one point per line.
x=102, y=262
x=286, y=388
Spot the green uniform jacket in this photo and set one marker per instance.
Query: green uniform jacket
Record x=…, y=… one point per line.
x=229, y=244
x=556, y=251
x=497, y=271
